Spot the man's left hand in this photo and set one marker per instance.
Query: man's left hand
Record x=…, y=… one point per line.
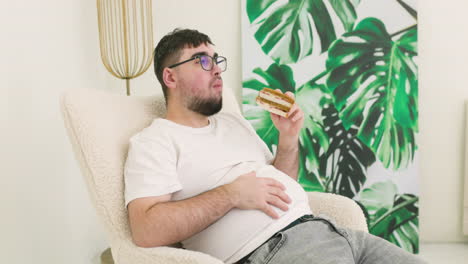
x=289, y=126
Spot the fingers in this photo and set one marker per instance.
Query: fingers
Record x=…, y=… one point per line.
x=274, y=183
x=280, y=194
x=295, y=113
x=290, y=94
x=277, y=188
x=277, y=195
x=277, y=202
x=294, y=109
x=267, y=209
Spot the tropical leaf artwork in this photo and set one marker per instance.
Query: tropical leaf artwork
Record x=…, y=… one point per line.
x=286, y=29
x=361, y=109
x=392, y=216
x=374, y=81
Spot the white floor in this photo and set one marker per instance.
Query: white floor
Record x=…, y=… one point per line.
x=447, y=253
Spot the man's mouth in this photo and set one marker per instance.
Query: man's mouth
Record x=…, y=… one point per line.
x=218, y=84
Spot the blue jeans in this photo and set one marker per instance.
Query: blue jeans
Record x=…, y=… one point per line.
x=312, y=239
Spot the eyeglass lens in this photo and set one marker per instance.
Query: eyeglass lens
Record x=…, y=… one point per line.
x=207, y=63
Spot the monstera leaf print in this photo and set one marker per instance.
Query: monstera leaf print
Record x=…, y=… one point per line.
x=374, y=82
x=345, y=163
x=286, y=29
x=361, y=108
x=392, y=216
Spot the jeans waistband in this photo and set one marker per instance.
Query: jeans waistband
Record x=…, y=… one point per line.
x=296, y=222
x=300, y=220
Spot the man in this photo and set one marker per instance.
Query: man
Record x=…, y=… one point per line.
x=206, y=179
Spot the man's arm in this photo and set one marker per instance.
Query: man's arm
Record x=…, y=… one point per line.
x=287, y=153
x=287, y=156
x=157, y=221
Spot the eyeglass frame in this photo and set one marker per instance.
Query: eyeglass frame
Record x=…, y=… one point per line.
x=198, y=56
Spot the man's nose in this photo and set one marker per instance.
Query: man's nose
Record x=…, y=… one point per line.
x=216, y=69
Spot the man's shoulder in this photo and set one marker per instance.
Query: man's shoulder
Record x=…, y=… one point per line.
x=156, y=130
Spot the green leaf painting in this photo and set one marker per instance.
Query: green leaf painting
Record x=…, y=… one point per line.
x=353, y=70
x=392, y=216
x=286, y=29
x=374, y=82
x=345, y=163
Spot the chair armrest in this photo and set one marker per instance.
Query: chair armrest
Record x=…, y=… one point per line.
x=344, y=211
x=127, y=252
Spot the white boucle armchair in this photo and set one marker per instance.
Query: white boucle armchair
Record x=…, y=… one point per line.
x=99, y=125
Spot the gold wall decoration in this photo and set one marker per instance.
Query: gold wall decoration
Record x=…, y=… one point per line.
x=126, y=37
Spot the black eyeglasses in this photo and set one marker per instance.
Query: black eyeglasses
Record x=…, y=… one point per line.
x=206, y=62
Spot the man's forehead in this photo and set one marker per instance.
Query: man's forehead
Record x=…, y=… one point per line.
x=189, y=52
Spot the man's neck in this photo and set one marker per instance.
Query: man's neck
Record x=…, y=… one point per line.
x=186, y=117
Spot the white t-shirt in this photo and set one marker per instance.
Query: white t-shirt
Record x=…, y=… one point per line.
x=167, y=157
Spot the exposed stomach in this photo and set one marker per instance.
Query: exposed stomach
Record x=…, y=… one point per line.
x=238, y=227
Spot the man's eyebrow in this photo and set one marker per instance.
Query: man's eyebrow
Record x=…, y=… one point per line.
x=201, y=53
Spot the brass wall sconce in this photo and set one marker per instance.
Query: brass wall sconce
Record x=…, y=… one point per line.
x=126, y=37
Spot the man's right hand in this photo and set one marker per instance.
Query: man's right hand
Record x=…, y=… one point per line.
x=251, y=192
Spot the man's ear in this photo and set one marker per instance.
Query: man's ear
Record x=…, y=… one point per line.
x=169, y=78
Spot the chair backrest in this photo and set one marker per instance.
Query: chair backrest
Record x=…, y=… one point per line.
x=99, y=126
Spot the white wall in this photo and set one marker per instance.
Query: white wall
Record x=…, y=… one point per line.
x=443, y=89
x=50, y=46
x=47, y=47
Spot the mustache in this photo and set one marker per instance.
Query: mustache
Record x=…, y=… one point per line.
x=217, y=78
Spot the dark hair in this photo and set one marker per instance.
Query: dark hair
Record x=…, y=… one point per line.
x=168, y=50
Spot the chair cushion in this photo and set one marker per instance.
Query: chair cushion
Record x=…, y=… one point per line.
x=100, y=125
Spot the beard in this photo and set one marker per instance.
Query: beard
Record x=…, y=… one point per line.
x=204, y=106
